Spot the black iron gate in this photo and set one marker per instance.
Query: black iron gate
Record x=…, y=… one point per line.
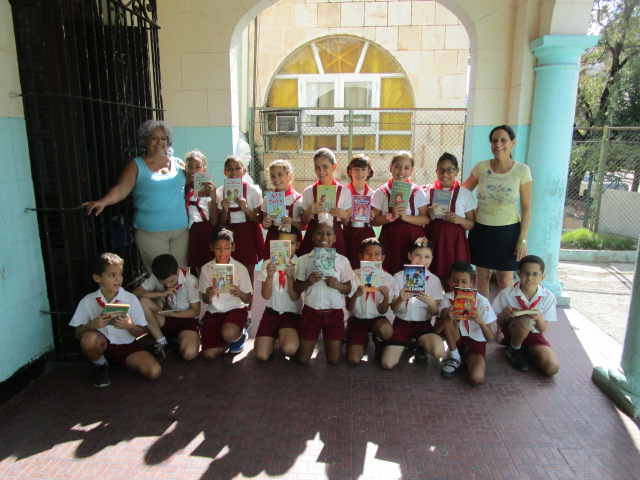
x=90, y=74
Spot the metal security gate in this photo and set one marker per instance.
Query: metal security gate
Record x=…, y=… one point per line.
x=90, y=74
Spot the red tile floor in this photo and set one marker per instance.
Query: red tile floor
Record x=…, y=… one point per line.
x=240, y=419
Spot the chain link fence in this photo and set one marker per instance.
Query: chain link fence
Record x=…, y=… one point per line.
x=295, y=134
x=602, y=189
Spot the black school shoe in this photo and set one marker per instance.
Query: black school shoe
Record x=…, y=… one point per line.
x=517, y=360
x=100, y=376
x=421, y=357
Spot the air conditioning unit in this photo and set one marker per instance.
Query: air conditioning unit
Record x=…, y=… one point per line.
x=287, y=123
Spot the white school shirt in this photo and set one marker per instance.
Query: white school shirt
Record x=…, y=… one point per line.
x=224, y=302
x=280, y=300
x=484, y=308
x=343, y=202
x=414, y=310
x=464, y=203
x=186, y=294
x=319, y=295
x=253, y=198
x=193, y=212
x=366, y=306
x=89, y=308
x=288, y=200
x=380, y=200
x=546, y=305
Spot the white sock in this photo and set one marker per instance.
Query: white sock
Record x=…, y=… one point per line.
x=516, y=348
x=162, y=341
x=100, y=361
x=454, y=354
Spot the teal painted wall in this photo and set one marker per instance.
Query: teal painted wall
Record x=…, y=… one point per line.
x=26, y=333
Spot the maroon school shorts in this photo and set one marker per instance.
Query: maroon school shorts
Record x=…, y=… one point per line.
x=467, y=344
x=117, y=354
x=273, y=321
x=534, y=339
x=358, y=330
x=211, y=330
x=173, y=326
x=404, y=331
x=330, y=322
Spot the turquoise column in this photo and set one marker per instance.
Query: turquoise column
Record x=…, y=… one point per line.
x=622, y=383
x=554, y=104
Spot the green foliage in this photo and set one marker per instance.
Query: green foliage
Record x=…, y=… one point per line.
x=584, y=239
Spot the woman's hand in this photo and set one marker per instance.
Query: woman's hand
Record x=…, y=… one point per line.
x=97, y=205
x=521, y=250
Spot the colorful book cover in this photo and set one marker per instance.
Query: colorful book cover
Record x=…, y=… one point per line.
x=324, y=261
x=464, y=303
x=280, y=253
x=222, y=277
x=327, y=197
x=115, y=309
x=415, y=278
x=441, y=202
x=275, y=205
x=519, y=313
x=361, y=208
x=400, y=193
x=199, y=179
x=371, y=276
x=232, y=189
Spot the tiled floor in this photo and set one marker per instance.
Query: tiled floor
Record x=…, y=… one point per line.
x=242, y=419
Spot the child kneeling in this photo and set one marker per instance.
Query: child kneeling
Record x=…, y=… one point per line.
x=282, y=314
x=171, y=303
x=524, y=333
x=227, y=302
x=323, y=299
x=108, y=338
x=470, y=333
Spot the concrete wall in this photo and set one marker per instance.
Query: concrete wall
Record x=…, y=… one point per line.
x=618, y=211
x=26, y=334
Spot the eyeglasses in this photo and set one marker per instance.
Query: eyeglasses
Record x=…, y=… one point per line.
x=446, y=170
x=530, y=274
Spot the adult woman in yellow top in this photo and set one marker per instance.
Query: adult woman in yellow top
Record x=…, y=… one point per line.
x=499, y=239
x=157, y=182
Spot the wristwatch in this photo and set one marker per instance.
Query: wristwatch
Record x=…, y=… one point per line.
x=523, y=241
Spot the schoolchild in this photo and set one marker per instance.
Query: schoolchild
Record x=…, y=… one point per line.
x=323, y=300
x=415, y=313
x=284, y=304
x=402, y=224
x=449, y=234
x=369, y=309
x=225, y=321
x=243, y=218
x=171, y=303
x=470, y=333
x=109, y=338
x=324, y=164
x=281, y=176
x=524, y=334
x=202, y=212
x=360, y=172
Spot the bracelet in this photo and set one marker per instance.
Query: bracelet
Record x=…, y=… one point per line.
x=523, y=241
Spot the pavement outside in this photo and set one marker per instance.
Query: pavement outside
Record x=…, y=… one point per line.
x=237, y=418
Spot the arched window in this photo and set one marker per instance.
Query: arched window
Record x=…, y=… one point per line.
x=333, y=75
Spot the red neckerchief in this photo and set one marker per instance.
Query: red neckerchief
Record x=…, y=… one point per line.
x=282, y=275
x=102, y=304
x=188, y=195
x=289, y=191
x=522, y=303
x=353, y=191
x=438, y=185
x=166, y=305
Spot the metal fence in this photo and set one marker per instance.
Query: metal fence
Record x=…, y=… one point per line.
x=602, y=188
x=294, y=134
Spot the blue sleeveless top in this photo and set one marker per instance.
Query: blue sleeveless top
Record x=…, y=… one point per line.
x=159, y=199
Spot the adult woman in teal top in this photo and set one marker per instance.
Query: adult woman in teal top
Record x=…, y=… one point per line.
x=157, y=182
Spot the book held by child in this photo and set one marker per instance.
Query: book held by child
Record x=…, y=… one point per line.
x=280, y=253
x=441, y=202
x=275, y=205
x=464, y=303
x=327, y=197
x=400, y=192
x=222, y=277
x=115, y=309
x=199, y=179
x=232, y=189
x=324, y=261
x=371, y=276
x=415, y=278
x=361, y=208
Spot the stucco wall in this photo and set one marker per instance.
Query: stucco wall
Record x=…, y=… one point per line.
x=26, y=334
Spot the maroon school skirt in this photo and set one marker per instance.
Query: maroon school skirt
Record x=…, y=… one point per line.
x=449, y=244
x=200, y=244
x=249, y=242
x=353, y=237
x=397, y=237
x=307, y=241
x=272, y=234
